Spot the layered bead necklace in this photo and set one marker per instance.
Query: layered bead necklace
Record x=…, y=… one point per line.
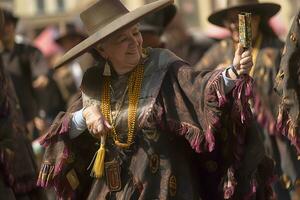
x=134, y=86
x=134, y=89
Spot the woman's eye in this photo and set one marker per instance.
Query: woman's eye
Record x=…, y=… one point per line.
x=122, y=40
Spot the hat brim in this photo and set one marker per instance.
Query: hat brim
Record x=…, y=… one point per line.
x=60, y=39
x=266, y=10
x=111, y=28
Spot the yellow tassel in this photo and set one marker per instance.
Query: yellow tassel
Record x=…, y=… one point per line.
x=98, y=168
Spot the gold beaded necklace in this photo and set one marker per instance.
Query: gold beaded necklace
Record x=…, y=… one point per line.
x=134, y=88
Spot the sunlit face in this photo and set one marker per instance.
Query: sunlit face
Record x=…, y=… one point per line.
x=123, y=49
x=232, y=24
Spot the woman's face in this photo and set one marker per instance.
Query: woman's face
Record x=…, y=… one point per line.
x=232, y=24
x=124, y=48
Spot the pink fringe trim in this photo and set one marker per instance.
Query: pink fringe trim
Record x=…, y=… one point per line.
x=288, y=128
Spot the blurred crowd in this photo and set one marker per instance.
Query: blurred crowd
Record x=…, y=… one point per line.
x=36, y=92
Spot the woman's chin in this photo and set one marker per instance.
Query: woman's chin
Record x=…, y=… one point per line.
x=134, y=59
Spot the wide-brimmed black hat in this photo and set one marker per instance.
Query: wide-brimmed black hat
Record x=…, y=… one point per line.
x=157, y=22
x=9, y=16
x=70, y=31
x=265, y=10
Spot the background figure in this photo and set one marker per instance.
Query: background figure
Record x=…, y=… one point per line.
x=266, y=55
x=18, y=171
x=38, y=95
x=69, y=76
x=183, y=43
x=288, y=87
x=153, y=26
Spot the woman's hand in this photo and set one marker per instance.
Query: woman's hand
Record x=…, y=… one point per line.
x=95, y=121
x=242, y=62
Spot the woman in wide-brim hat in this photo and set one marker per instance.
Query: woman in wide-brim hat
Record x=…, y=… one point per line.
x=267, y=48
x=147, y=111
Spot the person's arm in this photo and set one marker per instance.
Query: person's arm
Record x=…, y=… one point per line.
x=89, y=117
x=78, y=124
x=229, y=82
x=39, y=69
x=195, y=101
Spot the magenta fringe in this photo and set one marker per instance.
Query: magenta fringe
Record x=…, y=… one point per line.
x=229, y=184
x=288, y=128
x=49, y=176
x=63, y=130
x=210, y=139
x=52, y=172
x=253, y=188
x=242, y=93
x=264, y=116
x=192, y=133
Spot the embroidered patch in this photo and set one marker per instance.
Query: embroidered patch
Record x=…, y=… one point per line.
x=151, y=135
x=172, y=186
x=154, y=163
x=72, y=179
x=113, y=175
x=293, y=37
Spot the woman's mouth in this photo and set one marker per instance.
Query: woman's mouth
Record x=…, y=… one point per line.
x=131, y=52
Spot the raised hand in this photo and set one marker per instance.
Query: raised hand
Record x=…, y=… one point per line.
x=95, y=121
x=242, y=61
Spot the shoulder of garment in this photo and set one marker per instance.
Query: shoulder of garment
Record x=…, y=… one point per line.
x=159, y=60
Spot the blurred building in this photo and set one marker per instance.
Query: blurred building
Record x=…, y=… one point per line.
x=39, y=13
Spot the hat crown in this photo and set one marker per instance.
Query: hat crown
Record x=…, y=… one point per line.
x=101, y=14
x=231, y=3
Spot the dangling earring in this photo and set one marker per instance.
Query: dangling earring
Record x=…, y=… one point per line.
x=106, y=71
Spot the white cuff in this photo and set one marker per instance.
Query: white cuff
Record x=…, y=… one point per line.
x=229, y=83
x=78, y=124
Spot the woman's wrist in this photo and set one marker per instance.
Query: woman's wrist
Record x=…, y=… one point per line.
x=232, y=73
